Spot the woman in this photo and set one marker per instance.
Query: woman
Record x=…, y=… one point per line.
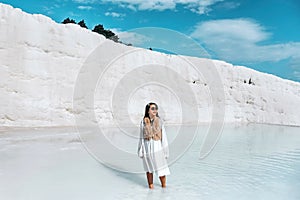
x=153, y=145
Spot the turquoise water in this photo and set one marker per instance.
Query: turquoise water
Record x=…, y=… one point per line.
x=248, y=162
x=252, y=162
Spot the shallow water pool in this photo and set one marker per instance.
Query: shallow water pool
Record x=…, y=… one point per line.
x=249, y=162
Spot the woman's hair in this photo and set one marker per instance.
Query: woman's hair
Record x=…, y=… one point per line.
x=147, y=109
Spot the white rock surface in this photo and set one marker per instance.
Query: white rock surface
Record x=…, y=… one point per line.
x=40, y=61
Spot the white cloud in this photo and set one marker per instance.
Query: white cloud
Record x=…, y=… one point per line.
x=145, y=5
x=85, y=7
x=198, y=6
x=240, y=40
x=114, y=14
x=230, y=30
x=131, y=37
x=229, y=5
x=85, y=1
x=201, y=6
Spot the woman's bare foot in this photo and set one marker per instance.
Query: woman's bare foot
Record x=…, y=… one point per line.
x=163, y=181
x=150, y=180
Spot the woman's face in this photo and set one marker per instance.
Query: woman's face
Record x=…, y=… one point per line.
x=152, y=110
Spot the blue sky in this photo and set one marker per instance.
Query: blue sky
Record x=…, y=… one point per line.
x=260, y=34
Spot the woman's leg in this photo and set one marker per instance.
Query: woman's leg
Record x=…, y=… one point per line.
x=150, y=179
x=163, y=181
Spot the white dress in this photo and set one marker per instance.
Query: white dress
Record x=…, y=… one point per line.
x=154, y=152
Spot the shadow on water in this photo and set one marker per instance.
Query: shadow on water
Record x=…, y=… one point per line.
x=137, y=179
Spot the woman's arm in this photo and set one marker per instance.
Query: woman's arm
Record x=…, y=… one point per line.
x=141, y=141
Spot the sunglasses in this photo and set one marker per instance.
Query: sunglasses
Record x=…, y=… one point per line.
x=154, y=108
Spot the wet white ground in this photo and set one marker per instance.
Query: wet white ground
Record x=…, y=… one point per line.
x=249, y=162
